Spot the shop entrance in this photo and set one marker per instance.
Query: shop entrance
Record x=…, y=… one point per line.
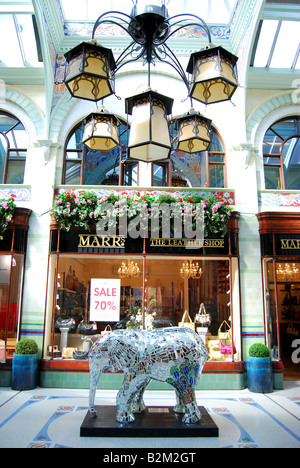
x=282, y=297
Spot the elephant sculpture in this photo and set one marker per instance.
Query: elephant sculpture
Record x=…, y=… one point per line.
x=173, y=355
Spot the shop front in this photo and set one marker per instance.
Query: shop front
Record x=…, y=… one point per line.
x=280, y=246
x=13, y=242
x=109, y=282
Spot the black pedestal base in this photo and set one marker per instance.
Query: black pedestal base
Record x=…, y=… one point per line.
x=153, y=422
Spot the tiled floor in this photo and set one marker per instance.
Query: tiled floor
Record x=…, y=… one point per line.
x=51, y=418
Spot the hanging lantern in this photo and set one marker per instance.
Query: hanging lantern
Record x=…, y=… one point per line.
x=149, y=138
x=101, y=131
x=88, y=72
x=214, y=75
x=193, y=132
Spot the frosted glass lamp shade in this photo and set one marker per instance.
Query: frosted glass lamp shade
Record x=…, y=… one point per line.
x=193, y=133
x=101, y=132
x=149, y=138
x=214, y=75
x=88, y=72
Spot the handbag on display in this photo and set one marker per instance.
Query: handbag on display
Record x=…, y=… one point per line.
x=202, y=317
x=107, y=330
x=224, y=335
x=227, y=349
x=63, y=321
x=186, y=321
x=87, y=329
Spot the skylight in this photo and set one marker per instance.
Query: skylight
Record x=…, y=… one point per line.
x=17, y=36
x=212, y=11
x=278, y=45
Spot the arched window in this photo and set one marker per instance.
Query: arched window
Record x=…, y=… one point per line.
x=13, y=149
x=282, y=155
x=83, y=166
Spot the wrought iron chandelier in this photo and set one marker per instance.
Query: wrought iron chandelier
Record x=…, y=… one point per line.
x=91, y=70
x=190, y=270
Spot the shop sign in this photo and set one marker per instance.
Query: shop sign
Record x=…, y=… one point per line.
x=290, y=244
x=188, y=243
x=105, y=300
x=101, y=242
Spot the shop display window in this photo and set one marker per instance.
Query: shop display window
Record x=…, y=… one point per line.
x=156, y=280
x=282, y=299
x=11, y=280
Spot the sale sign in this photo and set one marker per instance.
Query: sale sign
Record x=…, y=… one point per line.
x=105, y=300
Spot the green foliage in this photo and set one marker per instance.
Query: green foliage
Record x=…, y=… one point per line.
x=7, y=209
x=259, y=350
x=166, y=198
x=26, y=346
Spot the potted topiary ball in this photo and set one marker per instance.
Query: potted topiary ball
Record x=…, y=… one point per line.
x=259, y=369
x=25, y=365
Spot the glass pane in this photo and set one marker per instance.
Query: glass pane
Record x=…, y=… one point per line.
x=15, y=172
x=73, y=173
x=272, y=161
x=216, y=175
x=190, y=167
x=3, y=152
x=85, y=10
x=168, y=295
x=74, y=155
x=291, y=162
x=159, y=175
x=288, y=285
x=10, y=55
x=98, y=165
x=286, y=128
x=11, y=277
x=271, y=308
x=272, y=143
x=265, y=43
x=6, y=122
x=18, y=137
x=216, y=145
x=216, y=158
x=286, y=45
x=131, y=175
x=74, y=142
x=272, y=178
x=27, y=38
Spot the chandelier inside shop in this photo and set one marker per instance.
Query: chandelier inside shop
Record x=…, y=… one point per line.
x=211, y=77
x=190, y=270
x=131, y=270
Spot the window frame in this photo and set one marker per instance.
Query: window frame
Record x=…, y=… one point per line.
x=280, y=164
x=14, y=149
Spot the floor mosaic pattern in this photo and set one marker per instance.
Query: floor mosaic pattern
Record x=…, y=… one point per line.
x=51, y=418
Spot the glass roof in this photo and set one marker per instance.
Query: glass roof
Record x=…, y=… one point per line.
x=278, y=45
x=212, y=11
x=18, y=39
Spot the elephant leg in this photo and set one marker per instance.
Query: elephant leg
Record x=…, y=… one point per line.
x=125, y=398
x=186, y=403
x=138, y=405
x=192, y=413
x=95, y=371
x=180, y=405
